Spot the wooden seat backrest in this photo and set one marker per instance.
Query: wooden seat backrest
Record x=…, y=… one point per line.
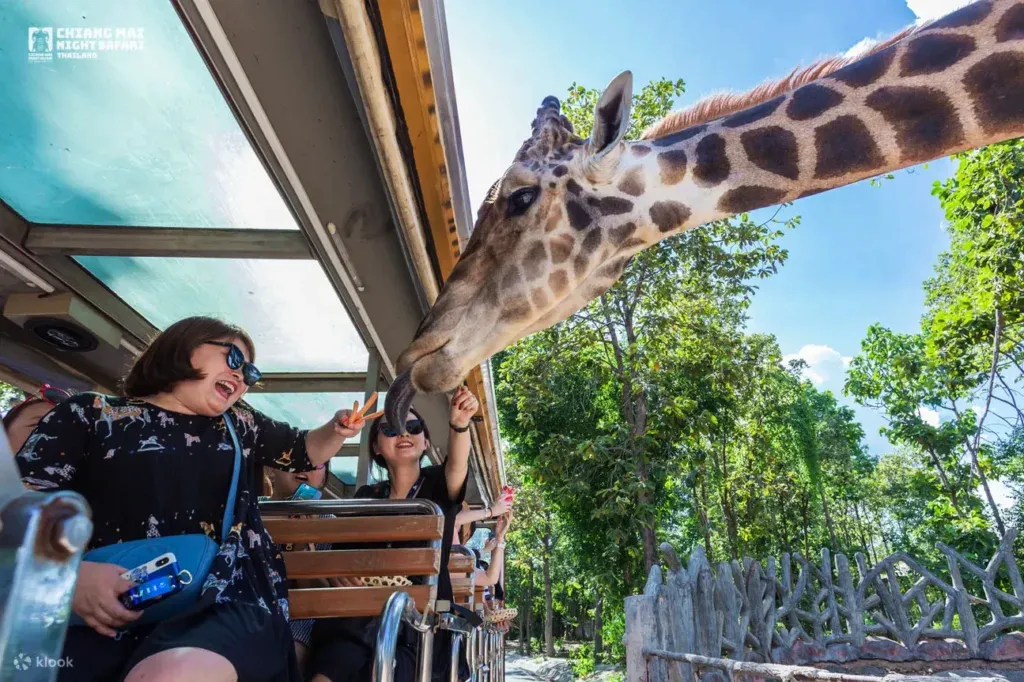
x=462, y=567
x=349, y=602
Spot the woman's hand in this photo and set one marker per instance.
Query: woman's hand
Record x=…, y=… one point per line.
x=500, y=508
x=348, y=423
x=464, y=406
x=96, y=597
x=345, y=582
x=502, y=528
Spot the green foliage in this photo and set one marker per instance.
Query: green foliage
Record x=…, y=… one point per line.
x=582, y=660
x=9, y=396
x=653, y=415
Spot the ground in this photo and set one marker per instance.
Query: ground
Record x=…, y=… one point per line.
x=531, y=668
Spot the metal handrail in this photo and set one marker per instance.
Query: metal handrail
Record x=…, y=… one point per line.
x=398, y=609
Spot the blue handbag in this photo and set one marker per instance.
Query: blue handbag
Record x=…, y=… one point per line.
x=195, y=553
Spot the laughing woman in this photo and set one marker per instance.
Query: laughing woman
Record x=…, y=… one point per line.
x=159, y=463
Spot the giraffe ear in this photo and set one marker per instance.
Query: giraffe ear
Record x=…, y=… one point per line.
x=611, y=115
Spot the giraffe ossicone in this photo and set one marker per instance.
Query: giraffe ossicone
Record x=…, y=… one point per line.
x=558, y=228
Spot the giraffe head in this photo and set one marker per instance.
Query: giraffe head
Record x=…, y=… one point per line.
x=554, y=231
x=558, y=228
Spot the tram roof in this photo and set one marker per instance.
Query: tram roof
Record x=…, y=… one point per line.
x=291, y=167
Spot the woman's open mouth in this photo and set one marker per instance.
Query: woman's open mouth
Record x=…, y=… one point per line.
x=226, y=389
x=403, y=444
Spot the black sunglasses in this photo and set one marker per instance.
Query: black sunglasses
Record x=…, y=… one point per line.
x=236, y=360
x=413, y=427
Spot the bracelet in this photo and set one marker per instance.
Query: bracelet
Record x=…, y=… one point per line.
x=456, y=429
x=501, y=543
x=488, y=511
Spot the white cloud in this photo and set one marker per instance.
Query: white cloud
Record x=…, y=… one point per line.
x=928, y=415
x=861, y=47
x=824, y=363
x=926, y=10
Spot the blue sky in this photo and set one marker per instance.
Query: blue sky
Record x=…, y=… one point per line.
x=861, y=253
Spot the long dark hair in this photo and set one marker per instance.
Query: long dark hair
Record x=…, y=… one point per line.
x=168, y=359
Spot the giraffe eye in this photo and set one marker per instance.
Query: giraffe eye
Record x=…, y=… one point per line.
x=520, y=201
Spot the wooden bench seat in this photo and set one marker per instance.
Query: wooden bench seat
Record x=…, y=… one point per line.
x=355, y=522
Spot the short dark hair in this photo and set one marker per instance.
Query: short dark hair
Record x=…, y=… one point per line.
x=375, y=431
x=168, y=359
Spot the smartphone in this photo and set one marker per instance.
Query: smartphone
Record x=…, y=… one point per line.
x=163, y=564
x=150, y=592
x=307, y=492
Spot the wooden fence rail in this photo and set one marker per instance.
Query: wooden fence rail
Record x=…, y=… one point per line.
x=896, y=614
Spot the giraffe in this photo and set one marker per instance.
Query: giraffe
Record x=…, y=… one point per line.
x=558, y=228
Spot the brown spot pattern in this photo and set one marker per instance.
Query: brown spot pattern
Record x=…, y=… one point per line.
x=1011, y=24
x=867, y=70
x=518, y=308
x=560, y=170
x=845, y=146
x=579, y=265
x=533, y=263
x=754, y=113
x=561, y=248
x=935, y=52
x=924, y=119
x=633, y=183
x=591, y=241
x=672, y=166
x=996, y=84
x=558, y=282
x=811, y=101
x=772, y=148
x=573, y=186
x=749, y=197
x=712, y=165
x=511, y=278
x=669, y=215
x=614, y=205
x=620, y=233
x=614, y=269
x=579, y=217
x=640, y=149
x=539, y=298
x=630, y=244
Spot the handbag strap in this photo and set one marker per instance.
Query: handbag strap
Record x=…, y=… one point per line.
x=229, y=507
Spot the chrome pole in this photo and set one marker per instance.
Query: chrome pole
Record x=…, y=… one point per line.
x=453, y=674
x=398, y=606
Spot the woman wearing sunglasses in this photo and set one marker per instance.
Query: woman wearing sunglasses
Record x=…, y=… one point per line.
x=159, y=462
x=342, y=648
x=21, y=420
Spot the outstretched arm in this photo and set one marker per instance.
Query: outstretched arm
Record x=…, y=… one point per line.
x=323, y=442
x=456, y=466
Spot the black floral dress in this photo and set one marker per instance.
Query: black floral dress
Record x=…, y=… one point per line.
x=149, y=472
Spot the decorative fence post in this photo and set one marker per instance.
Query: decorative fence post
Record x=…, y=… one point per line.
x=897, y=614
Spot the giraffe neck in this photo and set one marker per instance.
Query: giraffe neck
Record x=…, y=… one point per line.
x=956, y=84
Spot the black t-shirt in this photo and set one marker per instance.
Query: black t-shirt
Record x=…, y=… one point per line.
x=148, y=472
x=432, y=485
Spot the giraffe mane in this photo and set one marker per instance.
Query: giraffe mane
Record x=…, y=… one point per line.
x=721, y=104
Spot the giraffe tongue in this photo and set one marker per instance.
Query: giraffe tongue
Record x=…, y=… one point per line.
x=399, y=400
